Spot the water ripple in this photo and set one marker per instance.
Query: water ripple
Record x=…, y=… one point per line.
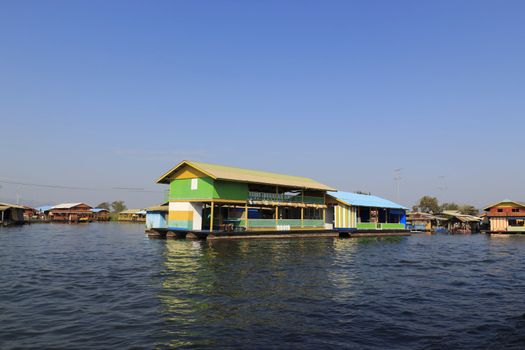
x=102, y=286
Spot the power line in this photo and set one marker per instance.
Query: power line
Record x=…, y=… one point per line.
x=128, y=189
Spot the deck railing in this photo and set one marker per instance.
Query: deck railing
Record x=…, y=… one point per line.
x=379, y=226
x=274, y=197
x=271, y=223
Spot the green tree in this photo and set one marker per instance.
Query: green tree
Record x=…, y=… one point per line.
x=118, y=206
x=468, y=209
x=427, y=204
x=104, y=205
x=449, y=206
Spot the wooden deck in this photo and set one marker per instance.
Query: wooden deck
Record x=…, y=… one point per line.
x=510, y=233
x=222, y=235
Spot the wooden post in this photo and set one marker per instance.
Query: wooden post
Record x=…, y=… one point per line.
x=211, y=217
x=246, y=213
x=324, y=215
x=302, y=217
x=277, y=207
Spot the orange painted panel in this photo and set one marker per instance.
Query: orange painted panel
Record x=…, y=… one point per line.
x=180, y=215
x=187, y=172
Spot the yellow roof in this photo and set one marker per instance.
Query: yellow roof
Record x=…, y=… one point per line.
x=504, y=201
x=229, y=173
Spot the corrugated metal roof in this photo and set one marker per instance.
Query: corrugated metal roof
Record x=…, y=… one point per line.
x=162, y=207
x=67, y=205
x=422, y=216
x=246, y=175
x=9, y=205
x=461, y=217
x=365, y=200
x=98, y=210
x=133, y=211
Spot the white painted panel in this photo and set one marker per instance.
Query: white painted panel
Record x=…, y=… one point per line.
x=194, y=184
x=197, y=215
x=180, y=206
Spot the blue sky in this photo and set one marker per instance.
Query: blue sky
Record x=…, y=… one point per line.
x=106, y=94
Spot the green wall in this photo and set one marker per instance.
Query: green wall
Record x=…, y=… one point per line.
x=181, y=189
x=207, y=188
x=379, y=226
x=230, y=190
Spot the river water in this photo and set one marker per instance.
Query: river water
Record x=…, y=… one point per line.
x=101, y=286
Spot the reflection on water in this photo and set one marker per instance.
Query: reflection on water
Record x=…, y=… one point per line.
x=103, y=286
x=419, y=292
x=241, y=290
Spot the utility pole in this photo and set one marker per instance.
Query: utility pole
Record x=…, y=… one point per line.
x=397, y=179
x=443, y=187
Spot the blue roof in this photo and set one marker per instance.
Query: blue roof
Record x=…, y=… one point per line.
x=365, y=200
x=98, y=210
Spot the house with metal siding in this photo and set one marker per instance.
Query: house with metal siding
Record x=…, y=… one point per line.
x=157, y=217
x=506, y=216
x=356, y=211
x=212, y=197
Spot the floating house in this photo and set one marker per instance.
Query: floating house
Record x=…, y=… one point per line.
x=506, y=216
x=11, y=214
x=212, y=197
x=70, y=212
x=157, y=216
x=132, y=215
x=356, y=211
x=456, y=222
x=99, y=214
x=426, y=222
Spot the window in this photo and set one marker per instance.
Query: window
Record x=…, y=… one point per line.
x=194, y=184
x=500, y=210
x=515, y=210
x=516, y=222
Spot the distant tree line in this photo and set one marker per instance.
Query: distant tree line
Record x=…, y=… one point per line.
x=429, y=204
x=115, y=206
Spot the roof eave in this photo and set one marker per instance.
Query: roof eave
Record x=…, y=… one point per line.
x=319, y=188
x=164, y=179
x=504, y=201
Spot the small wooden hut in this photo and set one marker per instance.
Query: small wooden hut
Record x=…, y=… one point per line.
x=455, y=222
x=11, y=214
x=99, y=214
x=418, y=221
x=132, y=215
